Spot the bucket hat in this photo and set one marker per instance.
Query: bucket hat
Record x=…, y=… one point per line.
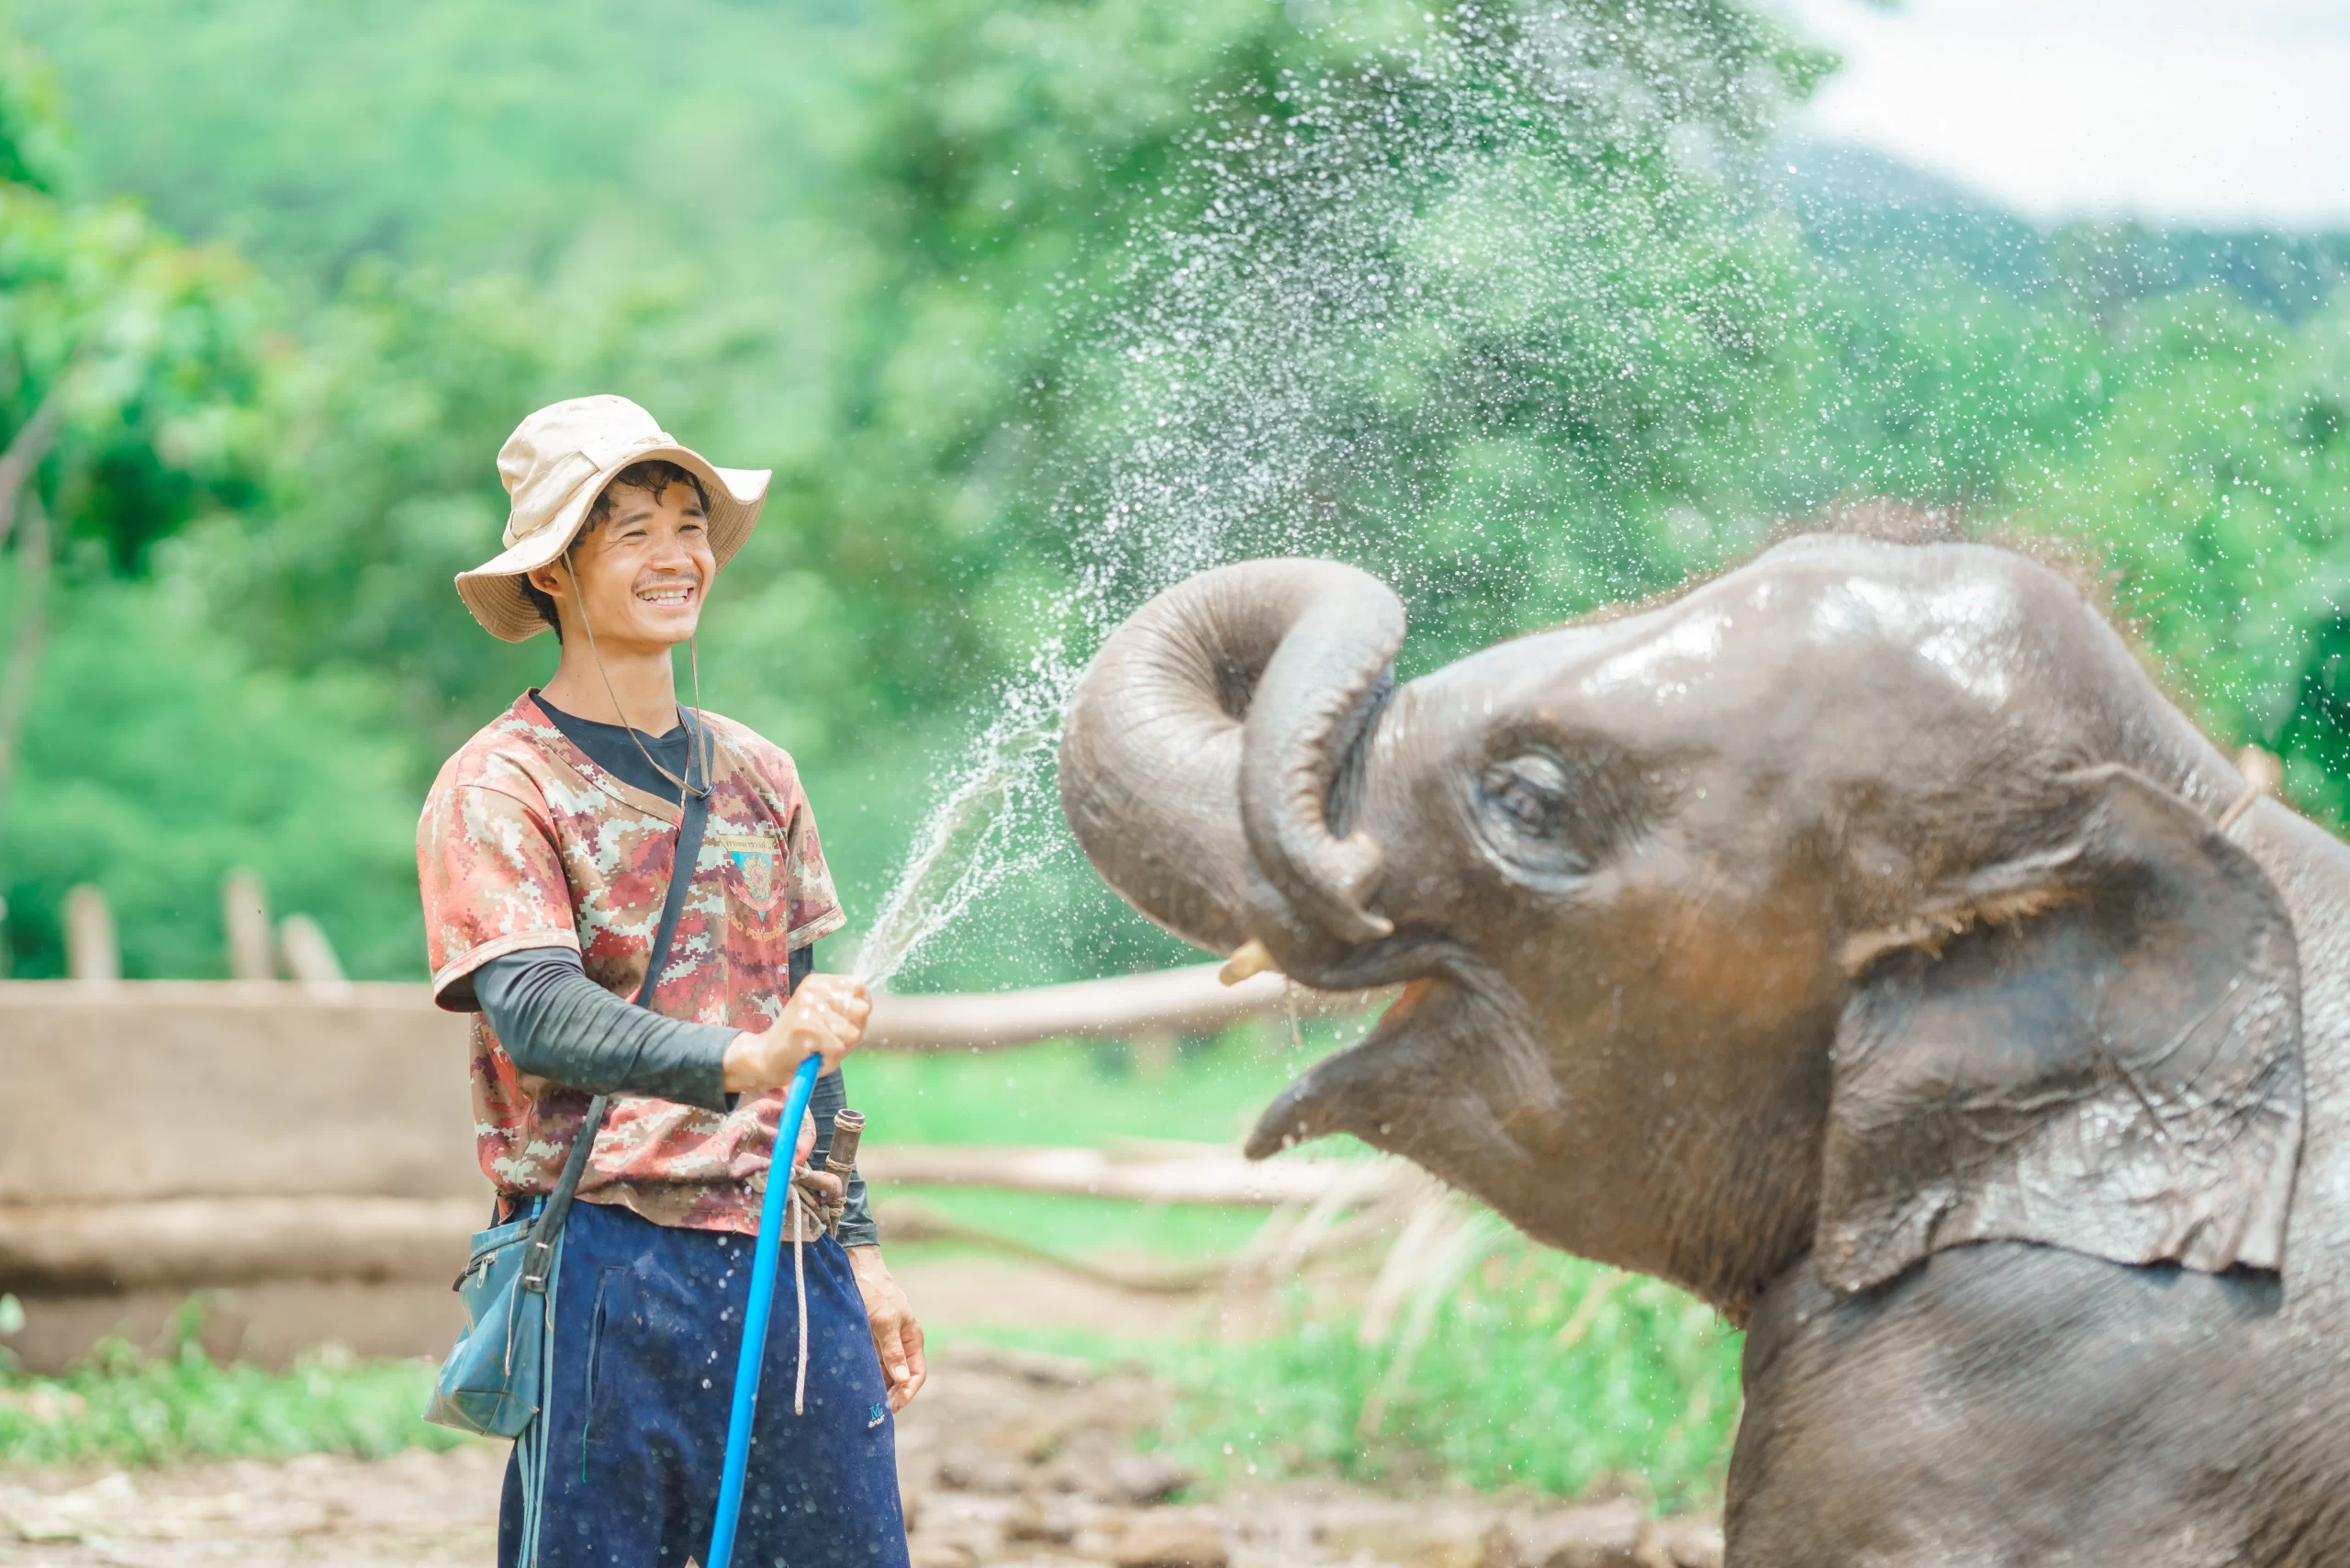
x=554, y=465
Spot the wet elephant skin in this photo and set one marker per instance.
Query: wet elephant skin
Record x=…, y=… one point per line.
x=1860, y=940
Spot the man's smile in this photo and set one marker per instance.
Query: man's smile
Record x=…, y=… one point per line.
x=672, y=594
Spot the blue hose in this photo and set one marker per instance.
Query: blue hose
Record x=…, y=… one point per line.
x=756, y=1316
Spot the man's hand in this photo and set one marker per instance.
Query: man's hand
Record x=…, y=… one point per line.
x=897, y=1338
x=824, y=1017
x=828, y=1192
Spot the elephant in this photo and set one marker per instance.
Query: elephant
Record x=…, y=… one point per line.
x=1861, y=940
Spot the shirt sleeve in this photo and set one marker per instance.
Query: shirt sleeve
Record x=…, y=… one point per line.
x=815, y=909
x=492, y=878
x=556, y=1022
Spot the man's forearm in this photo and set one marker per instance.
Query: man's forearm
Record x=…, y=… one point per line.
x=555, y=1023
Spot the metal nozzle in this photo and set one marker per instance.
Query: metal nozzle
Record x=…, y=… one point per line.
x=848, y=1129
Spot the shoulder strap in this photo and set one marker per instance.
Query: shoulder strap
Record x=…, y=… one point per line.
x=681, y=872
x=691, y=825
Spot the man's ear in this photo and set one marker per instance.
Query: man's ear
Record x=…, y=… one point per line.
x=2098, y=1049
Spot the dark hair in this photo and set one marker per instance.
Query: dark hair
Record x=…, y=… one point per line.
x=656, y=477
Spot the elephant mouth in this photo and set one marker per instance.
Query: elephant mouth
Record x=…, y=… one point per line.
x=1374, y=1087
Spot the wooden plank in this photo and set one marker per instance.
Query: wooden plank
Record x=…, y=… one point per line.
x=1221, y=1179
x=1185, y=1001
x=272, y=1322
x=189, y=1242
x=169, y=1089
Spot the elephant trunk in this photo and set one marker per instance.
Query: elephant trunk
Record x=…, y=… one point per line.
x=1201, y=749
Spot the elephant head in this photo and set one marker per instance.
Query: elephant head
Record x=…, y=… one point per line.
x=1865, y=900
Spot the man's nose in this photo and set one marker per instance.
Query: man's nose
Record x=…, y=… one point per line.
x=669, y=552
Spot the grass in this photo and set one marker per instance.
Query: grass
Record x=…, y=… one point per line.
x=1076, y=1096
x=126, y=1408
x=1533, y=1371
x=1645, y=1398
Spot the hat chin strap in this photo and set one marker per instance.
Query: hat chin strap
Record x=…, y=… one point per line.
x=699, y=733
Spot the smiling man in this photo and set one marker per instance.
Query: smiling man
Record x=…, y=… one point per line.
x=545, y=851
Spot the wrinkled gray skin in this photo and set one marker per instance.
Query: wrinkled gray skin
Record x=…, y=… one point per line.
x=1854, y=941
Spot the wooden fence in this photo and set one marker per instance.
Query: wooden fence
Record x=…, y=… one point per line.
x=304, y=1150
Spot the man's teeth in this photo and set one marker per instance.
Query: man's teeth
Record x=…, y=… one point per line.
x=666, y=595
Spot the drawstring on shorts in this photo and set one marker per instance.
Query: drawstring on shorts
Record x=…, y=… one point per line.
x=800, y=1289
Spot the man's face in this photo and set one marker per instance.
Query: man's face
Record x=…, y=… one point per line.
x=642, y=571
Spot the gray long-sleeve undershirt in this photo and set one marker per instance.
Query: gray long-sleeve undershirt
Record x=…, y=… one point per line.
x=556, y=1022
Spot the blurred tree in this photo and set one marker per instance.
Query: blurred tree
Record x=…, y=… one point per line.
x=2218, y=490
x=133, y=739
x=1464, y=294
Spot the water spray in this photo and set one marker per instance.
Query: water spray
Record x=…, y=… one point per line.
x=947, y=868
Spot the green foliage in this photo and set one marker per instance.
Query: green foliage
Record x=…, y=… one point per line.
x=164, y=347
x=123, y=1407
x=315, y=137
x=158, y=756
x=1219, y=280
x=35, y=141
x=2218, y=489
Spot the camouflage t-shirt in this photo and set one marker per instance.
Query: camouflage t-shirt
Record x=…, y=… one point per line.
x=526, y=843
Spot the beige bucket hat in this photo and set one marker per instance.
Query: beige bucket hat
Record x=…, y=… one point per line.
x=554, y=465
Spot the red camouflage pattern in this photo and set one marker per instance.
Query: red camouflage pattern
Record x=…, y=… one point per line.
x=526, y=843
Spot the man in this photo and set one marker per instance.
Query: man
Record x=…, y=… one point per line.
x=545, y=853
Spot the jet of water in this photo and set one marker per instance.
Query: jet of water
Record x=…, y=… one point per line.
x=964, y=846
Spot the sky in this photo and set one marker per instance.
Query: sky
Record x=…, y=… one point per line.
x=2222, y=113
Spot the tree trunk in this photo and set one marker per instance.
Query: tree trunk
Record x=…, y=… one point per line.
x=33, y=552
x=26, y=449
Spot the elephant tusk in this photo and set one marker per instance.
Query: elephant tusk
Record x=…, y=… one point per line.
x=2263, y=774
x=1250, y=957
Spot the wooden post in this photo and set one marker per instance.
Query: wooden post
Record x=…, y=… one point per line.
x=310, y=957
x=91, y=955
x=244, y=911
x=1154, y=1053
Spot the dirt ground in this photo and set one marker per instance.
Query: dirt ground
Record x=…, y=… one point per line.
x=1007, y=1457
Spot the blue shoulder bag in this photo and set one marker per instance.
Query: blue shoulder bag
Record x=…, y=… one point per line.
x=489, y=1384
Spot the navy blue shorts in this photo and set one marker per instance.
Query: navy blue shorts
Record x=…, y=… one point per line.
x=648, y=1320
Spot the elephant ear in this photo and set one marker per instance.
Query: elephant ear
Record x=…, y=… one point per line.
x=2096, y=1047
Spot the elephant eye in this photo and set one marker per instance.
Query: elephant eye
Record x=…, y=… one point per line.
x=1529, y=793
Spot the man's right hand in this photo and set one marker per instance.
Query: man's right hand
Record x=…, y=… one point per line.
x=824, y=1017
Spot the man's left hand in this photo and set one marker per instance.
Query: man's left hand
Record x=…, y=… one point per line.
x=897, y=1338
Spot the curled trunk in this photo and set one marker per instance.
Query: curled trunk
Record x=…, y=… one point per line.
x=1202, y=747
